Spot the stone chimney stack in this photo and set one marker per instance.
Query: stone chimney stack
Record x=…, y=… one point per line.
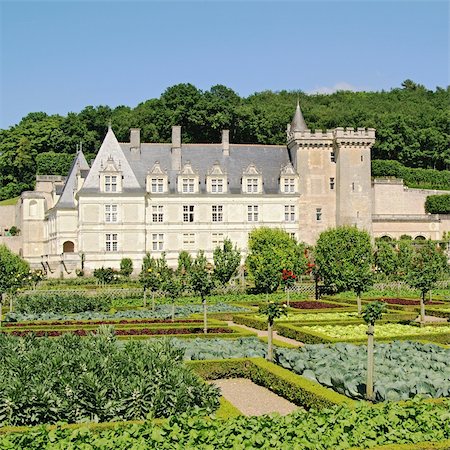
x=226, y=142
x=176, y=147
x=135, y=142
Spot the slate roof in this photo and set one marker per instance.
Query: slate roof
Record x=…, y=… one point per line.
x=298, y=122
x=66, y=200
x=268, y=159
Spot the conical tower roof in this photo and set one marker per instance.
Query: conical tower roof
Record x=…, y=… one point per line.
x=67, y=196
x=298, y=122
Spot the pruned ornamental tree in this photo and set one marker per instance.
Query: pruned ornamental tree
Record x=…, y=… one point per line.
x=273, y=311
x=386, y=258
x=126, y=267
x=344, y=259
x=13, y=273
x=202, y=282
x=226, y=261
x=272, y=250
x=428, y=265
x=149, y=278
x=372, y=312
x=172, y=287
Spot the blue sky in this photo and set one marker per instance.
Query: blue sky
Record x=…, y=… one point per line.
x=62, y=56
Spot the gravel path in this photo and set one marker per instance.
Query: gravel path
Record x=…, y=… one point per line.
x=432, y=319
x=263, y=333
x=251, y=399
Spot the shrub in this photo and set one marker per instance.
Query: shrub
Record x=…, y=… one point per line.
x=438, y=204
x=126, y=267
x=106, y=275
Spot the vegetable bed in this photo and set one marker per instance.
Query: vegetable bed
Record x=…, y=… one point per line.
x=124, y=331
x=404, y=301
x=314, y=305
x=74, y=379
x=403, y=369
x=316, y=334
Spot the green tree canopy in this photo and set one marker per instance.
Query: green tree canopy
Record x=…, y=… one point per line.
x=13, y=271
x=226, y=261
x=270, y=251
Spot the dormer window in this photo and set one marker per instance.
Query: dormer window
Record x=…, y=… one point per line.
x=252, y=185
x=110, y=183
x=111, y=177
x=188, y=185
x=252, y=182
x=157, y=180
x=216, y=180
x=288, y=180
x=188, y=180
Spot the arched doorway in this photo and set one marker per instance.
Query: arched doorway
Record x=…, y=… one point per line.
x=420, y=238
x=68, y=247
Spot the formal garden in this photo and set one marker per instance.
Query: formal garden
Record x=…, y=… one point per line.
x=355, y=335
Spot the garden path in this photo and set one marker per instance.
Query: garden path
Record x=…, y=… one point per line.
x=263, y=333
x=251, y=399
x=432, y=319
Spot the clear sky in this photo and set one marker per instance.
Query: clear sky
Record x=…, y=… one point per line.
x=62, y=56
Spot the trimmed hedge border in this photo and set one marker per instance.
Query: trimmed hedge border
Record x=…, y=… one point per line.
x=283, y=382
x=309, y=337
x=443, y=445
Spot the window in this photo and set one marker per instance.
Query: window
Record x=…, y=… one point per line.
x=188, y=185
x=252, y=213
x=188, y=213
x=318, y=214
x=293, y=236
x=289, y=185
x=110, y=213
x=157, y=241
x=217, y=240
x=332, y=157
x=252, y=185
x=217, y=213
x=362, y=158
x=110, y=183
x=157, y=185
x=353, y=186
x=289, y=213
x=188, y=241
x=157, y=213
x=216, y=185
x=332, y=184
x=111, y=242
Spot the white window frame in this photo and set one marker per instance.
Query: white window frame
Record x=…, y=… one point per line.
x=111, y=183
x=157, y=213
x=289, y=185
x=217, y=213
x=217, y=240
x=188, y=185
x=252, y=213
x=217, y=185
x=252, y=185
x=111, y=213
x=188, y=241
x=157, y=242
x=157, y=185
x=188, y=213
x=332, y=183
x=289, y=213
x=111, y=244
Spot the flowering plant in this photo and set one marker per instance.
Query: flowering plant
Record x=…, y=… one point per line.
x=288, y=277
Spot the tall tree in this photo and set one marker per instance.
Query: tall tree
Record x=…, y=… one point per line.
x=344, y=259
x=226, y=261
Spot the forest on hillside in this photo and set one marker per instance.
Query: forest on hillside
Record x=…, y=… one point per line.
x=412, y=123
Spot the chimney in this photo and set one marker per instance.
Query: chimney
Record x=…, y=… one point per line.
x=176, y=147
x=135, y=142
x=226, y=142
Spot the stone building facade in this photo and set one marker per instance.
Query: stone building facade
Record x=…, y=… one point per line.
x=144, y=197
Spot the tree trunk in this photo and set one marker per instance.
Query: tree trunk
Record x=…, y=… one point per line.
x=153, y=300
x=205, y=318
x=288, y=297
x=369, y=385
x=422, y=308
x=269, y=342
x=173, y=312
x=358, y=302
x=145, y=298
